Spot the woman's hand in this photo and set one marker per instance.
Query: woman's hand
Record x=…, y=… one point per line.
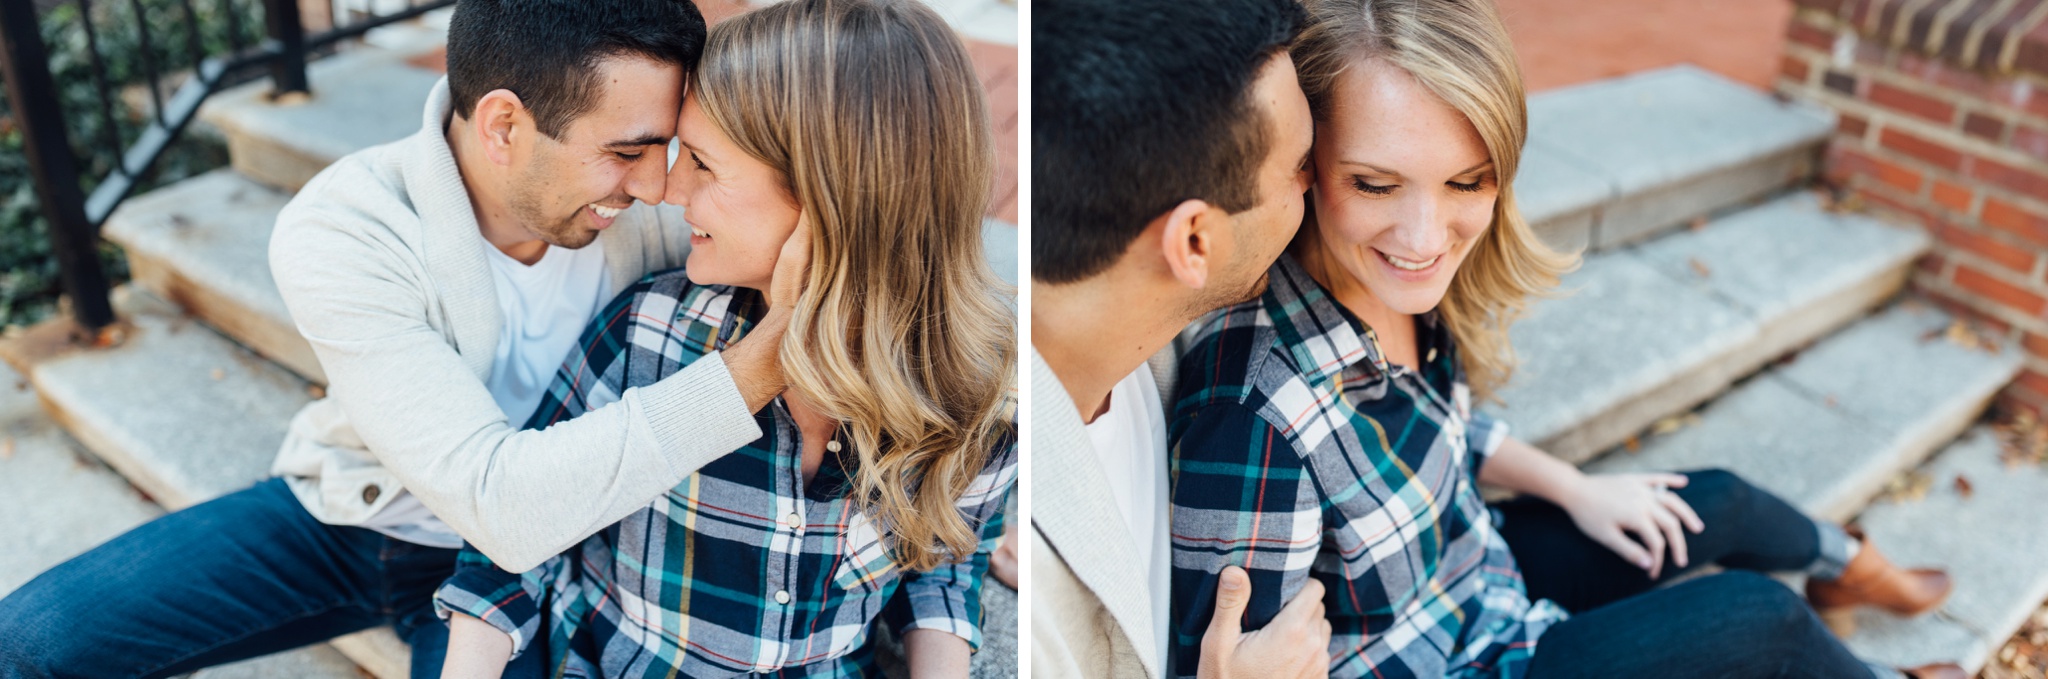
x=755, y=361
x=792, y=267
x=1635, y=515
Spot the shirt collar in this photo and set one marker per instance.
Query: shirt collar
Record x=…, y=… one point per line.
x=1324, y=338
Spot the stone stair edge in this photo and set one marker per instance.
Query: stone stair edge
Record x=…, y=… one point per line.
x=1689, y=171
x=1690, y=314
x=1983, y=533
x=1818, y=435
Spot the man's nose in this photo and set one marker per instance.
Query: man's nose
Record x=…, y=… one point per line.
x=646, y=181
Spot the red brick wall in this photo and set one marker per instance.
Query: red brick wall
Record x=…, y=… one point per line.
x=1943, y=110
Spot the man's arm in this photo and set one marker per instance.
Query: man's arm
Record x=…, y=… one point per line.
x=518, y=496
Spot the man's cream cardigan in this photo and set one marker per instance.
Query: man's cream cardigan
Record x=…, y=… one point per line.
x=381, y=264
x=1091, y=611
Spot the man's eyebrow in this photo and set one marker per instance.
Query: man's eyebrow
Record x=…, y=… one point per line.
x=649, y=139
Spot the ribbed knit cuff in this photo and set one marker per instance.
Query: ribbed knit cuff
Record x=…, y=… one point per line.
x=698, y=415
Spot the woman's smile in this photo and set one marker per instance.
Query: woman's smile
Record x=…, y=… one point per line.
x=1409, y=270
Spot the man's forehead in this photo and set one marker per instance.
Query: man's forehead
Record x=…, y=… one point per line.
x=638, y=102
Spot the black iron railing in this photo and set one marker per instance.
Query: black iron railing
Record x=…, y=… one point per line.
x=74, y=216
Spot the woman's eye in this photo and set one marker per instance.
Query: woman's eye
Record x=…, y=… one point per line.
x=1467, y=188
x=1369, y=188
x=698, y=163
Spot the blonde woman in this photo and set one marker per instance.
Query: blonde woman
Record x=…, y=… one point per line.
x=877, y=487
x=1325, y=431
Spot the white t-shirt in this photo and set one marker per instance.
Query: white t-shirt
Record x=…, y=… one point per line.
x=544, y=308
x=1130, y=445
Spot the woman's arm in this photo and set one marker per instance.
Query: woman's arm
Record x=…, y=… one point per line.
x=476, y=650
x=1632, y=514
x=932, y=654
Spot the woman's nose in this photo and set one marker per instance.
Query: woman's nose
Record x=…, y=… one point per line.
x=677, y=190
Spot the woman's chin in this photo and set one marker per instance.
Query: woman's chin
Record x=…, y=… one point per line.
x=1408, y=299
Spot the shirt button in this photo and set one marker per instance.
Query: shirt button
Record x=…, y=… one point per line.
x=795, y=522
x=370, y=494
x=782, y=596
x=832, y=446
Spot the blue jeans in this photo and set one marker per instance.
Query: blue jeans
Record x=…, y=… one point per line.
x=244, y=575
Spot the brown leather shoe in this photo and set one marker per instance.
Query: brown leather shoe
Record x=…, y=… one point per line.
x=1941, y=671
x=1872, y=580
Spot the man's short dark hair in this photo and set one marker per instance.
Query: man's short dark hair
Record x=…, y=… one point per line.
x=1138, y=105
x=548, y=51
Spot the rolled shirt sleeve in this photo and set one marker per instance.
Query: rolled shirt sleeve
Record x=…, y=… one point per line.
x=948, y=598
x=508, y=601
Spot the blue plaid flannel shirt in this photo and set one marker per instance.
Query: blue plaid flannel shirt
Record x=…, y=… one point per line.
x=741, y=568
x=1299, y=451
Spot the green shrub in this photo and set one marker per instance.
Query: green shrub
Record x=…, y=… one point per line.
x=29, y=286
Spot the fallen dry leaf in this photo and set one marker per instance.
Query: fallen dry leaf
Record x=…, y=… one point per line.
x=218, y=374
x=7, y=448
x=1907, y=487
x=2025, y=655
x=1698, y=223
x=1699, y=268
x=316, y=391
x=1829, y=401
x=1633, y=445
x=1963, y=487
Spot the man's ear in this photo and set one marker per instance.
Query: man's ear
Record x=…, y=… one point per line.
x=499, y=120
x=1189, y=241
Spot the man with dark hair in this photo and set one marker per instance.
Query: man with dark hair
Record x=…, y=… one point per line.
x=1170, y=145
x=440, y=279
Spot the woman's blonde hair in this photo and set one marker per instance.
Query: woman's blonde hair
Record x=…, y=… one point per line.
x=873, y=115
x=1459, y=50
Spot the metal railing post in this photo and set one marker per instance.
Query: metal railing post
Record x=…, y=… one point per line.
x=288, y=70
x=32, y=92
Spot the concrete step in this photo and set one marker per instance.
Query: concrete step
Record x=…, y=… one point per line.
x=366, y=96
x=1989, y=538
x=204, y=243
x=1828, y=430
x=1616, y=161
x=61, y=502
x=180, y=412
x=1655, y=329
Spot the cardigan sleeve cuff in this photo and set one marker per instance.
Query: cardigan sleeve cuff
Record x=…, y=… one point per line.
x=698, y=415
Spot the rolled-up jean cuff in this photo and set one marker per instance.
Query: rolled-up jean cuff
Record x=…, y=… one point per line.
x=1834, y=552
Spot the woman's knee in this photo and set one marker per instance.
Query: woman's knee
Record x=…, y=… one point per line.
x=1765, y=607
x=1716, y=494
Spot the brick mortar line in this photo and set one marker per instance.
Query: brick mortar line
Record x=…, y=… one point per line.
x=1893, y=76
x=2009, y=53
x=2007, y=59
x=1982, y=305
x=1927, y=131
x=1972, y=306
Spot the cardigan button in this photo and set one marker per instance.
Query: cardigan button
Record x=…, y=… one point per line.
x=832, y=446
x=371, y=493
